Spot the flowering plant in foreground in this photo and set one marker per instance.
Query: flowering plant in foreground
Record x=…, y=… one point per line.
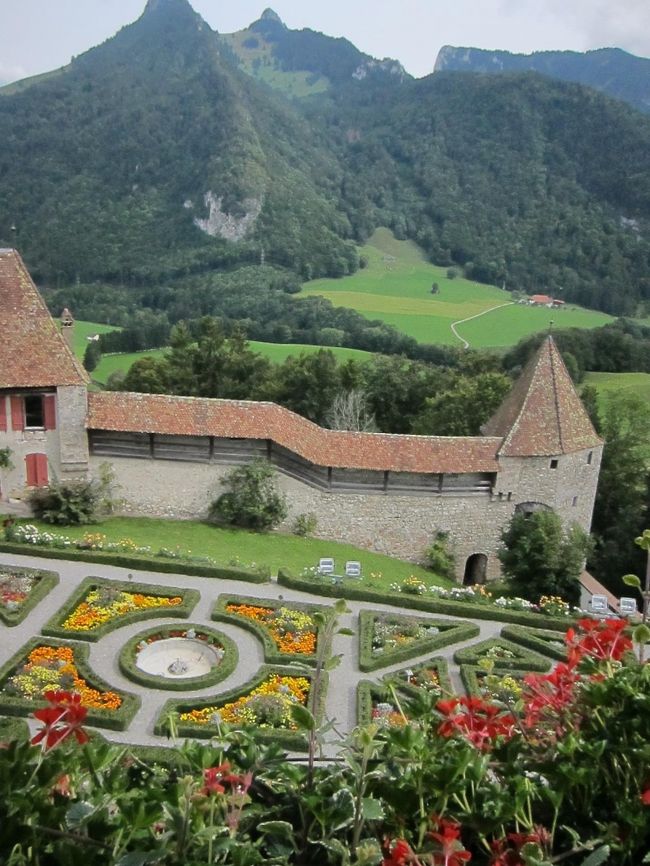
x=104, y=604
x=294, y=631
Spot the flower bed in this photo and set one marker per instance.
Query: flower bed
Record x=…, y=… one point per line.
x=540, y=640
x=94, y=547
x=502, y=654
x=286, y=629
x=263, y=706
x=100, y=605
x=385, y=639
x=504, y=686
x=48, y=665
x=462, y=604
x=21, y=589
x=215, y=639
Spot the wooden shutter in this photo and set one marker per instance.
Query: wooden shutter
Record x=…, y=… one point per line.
x=3, y=412
x=17, y=413
x=49, y=412
x=36, y=469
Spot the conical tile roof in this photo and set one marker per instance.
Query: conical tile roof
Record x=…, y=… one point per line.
x=543, y=414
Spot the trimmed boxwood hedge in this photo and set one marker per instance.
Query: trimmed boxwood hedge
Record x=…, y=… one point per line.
x=216, y=675
x=54, y=626
x=451, y=631
x=116, y=720
x=47, y=581
x=293, y=740
x=524, y=659
x=12, y=728
x=137, y=562
x=366, y=692
x=397, y=678
x=539, y=639
x=272, y=655
x=354, y=591
x=470, y=675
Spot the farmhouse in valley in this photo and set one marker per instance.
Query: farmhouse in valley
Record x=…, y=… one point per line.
x=389, y=493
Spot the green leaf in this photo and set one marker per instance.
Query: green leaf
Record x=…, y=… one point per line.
x=281, y=829
x=641, y=633
x=332, y=663
x=303, y=717
x=139, y=858
x=632, y=580
x=372, y=809
x=77, y=813
x=346, y=631
x=600, y=855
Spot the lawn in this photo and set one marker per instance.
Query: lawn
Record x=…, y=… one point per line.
x=274, y=549
x=275, y=352
x=83, y=330
x=630, y=383
x=396, y=288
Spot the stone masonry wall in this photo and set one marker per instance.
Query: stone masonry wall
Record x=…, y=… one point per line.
x=401, y=526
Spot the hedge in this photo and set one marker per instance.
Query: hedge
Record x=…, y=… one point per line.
x=292, y=740
x=470, y=675
x=47, y=581
x=450, y=632
x=524, y=658
x=116, y=720
x=354, y=591
x=12, y=728
x=137, y=562
x=538, y=639
x=272, y=655
x=227, y=665
x=54, y=626
x=437, y=663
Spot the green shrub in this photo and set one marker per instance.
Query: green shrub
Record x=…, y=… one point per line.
x=305, y=524
x=72, y=503
x=252, y=500
x=439, y=558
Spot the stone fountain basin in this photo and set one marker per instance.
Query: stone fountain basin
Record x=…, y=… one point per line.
x=177, y=658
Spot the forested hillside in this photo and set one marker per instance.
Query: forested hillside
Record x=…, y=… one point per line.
x=611, y=70
x=156, y=160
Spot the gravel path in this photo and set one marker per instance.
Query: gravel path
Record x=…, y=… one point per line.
x=476, y=316
x=341, y=696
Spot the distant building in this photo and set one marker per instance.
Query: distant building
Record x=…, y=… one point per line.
x=389, y=493
x=545, y=301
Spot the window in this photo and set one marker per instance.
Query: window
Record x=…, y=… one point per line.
x=574, y=501
x=590, y=458
x=554, y=463
x=34, y=411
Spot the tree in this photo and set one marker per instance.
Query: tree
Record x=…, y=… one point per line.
x=540, y=557
x=349, y=411
x=462, y=411
x=252, y=500
x=92, y=355
x=623, y=498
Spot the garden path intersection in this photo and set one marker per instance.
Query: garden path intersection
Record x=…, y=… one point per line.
x=341, y=699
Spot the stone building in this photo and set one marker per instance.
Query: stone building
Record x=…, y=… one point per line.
x=389, y=493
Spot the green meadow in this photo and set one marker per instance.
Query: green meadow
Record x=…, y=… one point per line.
x=629, y=383
x=396, y=288
x=275, y=352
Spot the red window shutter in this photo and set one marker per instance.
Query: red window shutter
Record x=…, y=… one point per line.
x=36, y=467
x=41, y=470
x=17, y=413
x=3, y=412
x=30, y=467
x=49, y=412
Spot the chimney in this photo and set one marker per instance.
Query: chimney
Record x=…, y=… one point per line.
x=67, y=328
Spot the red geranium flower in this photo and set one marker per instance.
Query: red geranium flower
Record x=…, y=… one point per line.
x=478, y=721
x=598, y=639
x=645, y=796
x=63, y=717
x=400, y=854
x=447, y=835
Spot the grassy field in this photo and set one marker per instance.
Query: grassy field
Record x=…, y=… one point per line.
x=275, y=352
x=83, y=330
x=396, y=288
x=273, y=549
x=632, y=383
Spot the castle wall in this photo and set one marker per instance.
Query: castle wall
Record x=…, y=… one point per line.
x=398, y=525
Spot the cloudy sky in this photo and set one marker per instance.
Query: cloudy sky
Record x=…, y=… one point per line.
x=39, y=35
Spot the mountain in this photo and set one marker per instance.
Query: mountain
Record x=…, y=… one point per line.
x=159, y=156
x=152, y=154
x=611, y=70
x=304, y=62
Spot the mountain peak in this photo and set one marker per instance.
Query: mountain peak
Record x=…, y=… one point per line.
x=270, y=15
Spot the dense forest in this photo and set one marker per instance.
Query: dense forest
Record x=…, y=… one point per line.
x=155, y=158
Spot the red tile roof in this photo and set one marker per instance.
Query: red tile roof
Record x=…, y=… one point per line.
x=240, y=419
x=543, y=414
x=33, y=354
